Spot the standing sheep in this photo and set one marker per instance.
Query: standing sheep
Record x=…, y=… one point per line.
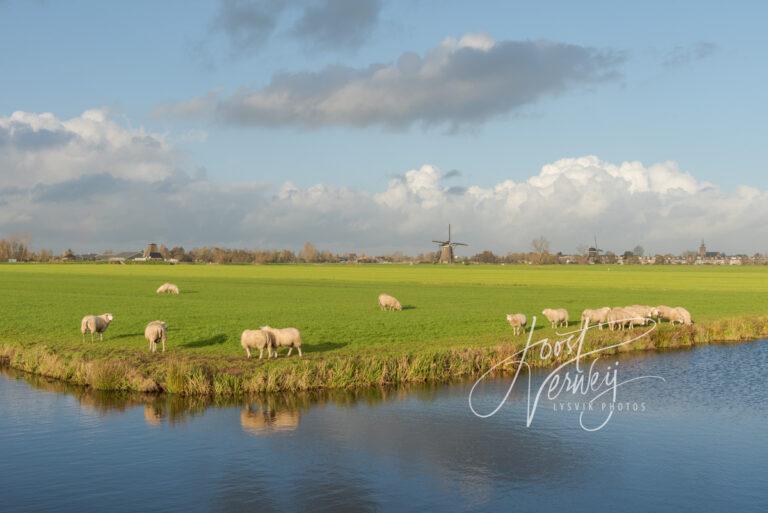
x=285, y=337
x=95, y=324
x=387, y=302
x=618, y=318
x=643, y=313
x=517, y=321
x=156, y=331
x=682, y=316
x=597, y=316
x=665, y=313
x=258, y=339
x=168, y=288
x=556, y=316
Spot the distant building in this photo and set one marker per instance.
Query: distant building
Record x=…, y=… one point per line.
x=151, y=252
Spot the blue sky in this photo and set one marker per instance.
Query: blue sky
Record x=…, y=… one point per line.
x=688, y=86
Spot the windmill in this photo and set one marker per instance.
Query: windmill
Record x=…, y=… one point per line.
x=594, y=253
x=446, y=248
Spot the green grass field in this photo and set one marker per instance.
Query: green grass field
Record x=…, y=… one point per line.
x=335, y=305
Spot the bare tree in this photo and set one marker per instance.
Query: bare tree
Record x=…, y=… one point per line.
x=540, y=247
x=638, y=251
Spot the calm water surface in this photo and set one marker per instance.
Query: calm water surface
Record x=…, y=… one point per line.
x=700, y=445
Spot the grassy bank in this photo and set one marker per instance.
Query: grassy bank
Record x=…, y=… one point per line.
x=453, y=325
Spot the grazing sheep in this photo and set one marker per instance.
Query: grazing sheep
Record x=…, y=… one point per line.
x=156, y=331
x=681, y=316
x=168, y=288
x=95, y=324
x=665, y=313
x=285, y=337
x=387, y=302
x=618, y=318
x=556, y=316
x=643, y=313
x=597, y=316
x=517, y=321
x=258, y=339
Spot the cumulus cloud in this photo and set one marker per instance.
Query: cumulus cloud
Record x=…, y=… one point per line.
x=460, y=82
x=682, y=55
x=320, y=24
x=658, y=206
x=43, y=149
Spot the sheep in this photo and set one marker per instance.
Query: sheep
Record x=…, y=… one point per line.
x=168, y=288
x=643, y=312
x=617, y=318
x=597, y=316
x=156, y=331
x=258, y=339
x=556, y=316
x=665, y=313
x=517, y=321
x=95, y=324
x=285, y=337
x=681, y=316
x=387, y=302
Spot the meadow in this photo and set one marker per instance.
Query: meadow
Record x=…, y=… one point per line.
x=452, y=324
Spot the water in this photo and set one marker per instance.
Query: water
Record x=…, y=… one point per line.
x=700, y=445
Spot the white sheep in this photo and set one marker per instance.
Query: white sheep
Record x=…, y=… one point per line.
x=387, y=302
x=665, y=313
x=168, y=288
x=95, y=324
x=556, y=316
x=285, y=337
x=597, y=316
x=258, y=339
x=682, y=316
x=643, y=313
x=619, y=318
x=517, y=321
x=156, y=331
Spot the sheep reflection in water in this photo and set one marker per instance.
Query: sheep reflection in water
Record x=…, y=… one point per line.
x=268, y=417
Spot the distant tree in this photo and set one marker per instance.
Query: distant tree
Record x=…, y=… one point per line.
x=638, y=251
x=68, y=255
x=485, y=257
x=540, y=247
x=308, y=253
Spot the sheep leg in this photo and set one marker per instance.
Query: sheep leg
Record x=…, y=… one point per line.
x=163, y=345
x=248, y=352
x=261, y=352
x=290, y=350
x=101, y=336
x=299, y=350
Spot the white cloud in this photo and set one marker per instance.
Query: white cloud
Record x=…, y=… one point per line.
x=88, y=183
x=42, y=149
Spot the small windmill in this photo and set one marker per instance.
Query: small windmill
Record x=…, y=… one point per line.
x=594, y=252
x=446, y=248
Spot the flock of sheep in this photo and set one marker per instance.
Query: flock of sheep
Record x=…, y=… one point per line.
x=615, y=318
x=271, y=339
x=263, y=338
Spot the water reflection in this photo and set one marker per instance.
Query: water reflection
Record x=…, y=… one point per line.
x=701, y=445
